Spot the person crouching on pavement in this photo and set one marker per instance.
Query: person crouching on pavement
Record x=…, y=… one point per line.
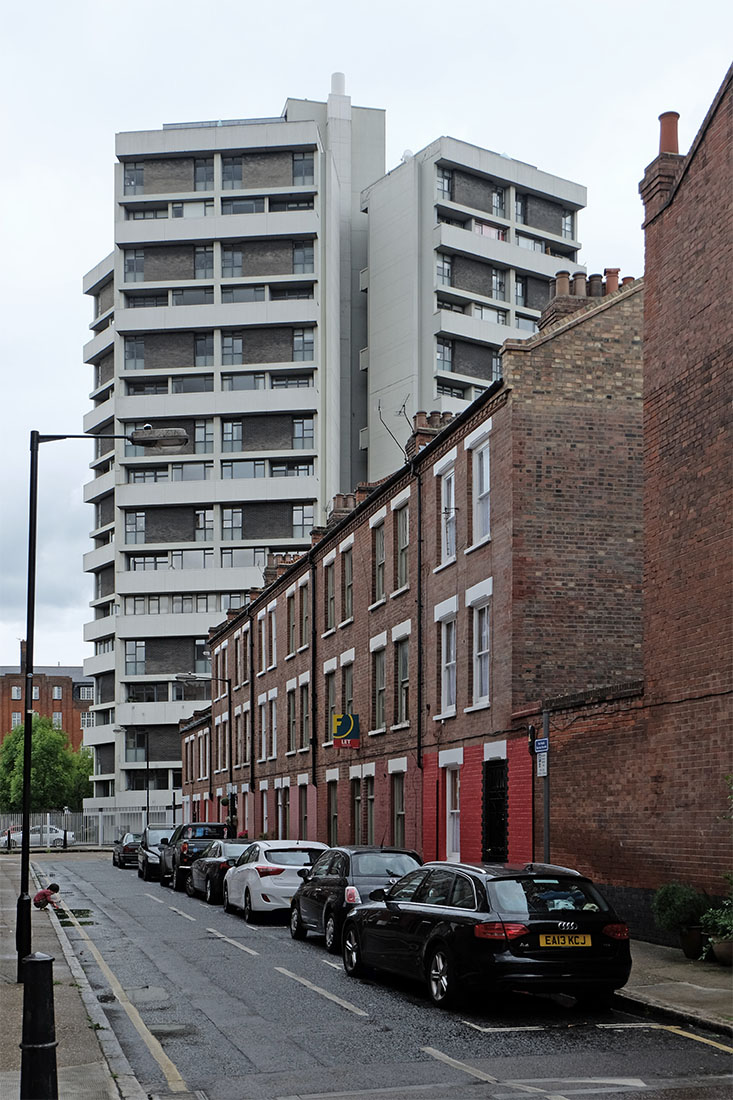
x=46, y=897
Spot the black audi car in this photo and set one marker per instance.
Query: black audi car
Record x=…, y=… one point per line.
x=459, y=927
x=341, y=878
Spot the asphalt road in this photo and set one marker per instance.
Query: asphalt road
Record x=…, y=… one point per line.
x=202, y=1002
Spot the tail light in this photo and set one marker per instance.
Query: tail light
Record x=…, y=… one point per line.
x=128, y=849
x=616, y=931
x=267, y=870
x=499, y=930
x=225, y=863
x=184, y=848
x=352, y=896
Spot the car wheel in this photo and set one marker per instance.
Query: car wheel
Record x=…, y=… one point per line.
x=212, y=894
x=146, y=871
x=333, y=945
x=57, y=842
x=228, y=907
x=163, y=878
x=440, y=977
x=189, y=886
x=353, y=965
x=114, y=860
x=297, y=929
x=179, y=880
x=249, y=915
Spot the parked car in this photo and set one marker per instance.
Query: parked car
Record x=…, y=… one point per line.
x=42, y=836
x=186, y=844
x=124, y=851
x=207, y=872
x=340, y=879
x=148, y=854
x=536, y=928
x=264, y=878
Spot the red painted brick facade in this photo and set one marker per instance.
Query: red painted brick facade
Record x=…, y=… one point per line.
x=57, y=690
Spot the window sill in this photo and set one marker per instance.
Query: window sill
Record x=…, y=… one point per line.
x=301, y=648
x=377, y=603
x=306, y=749
x=272, y=756
x=444, y=565
x=399, y=591
x=483, y=705
x=261, y=672
x=326, y=744
x=291, y=752
x=374, y=733
x=329, y=632
x=289, y=656
x=261, y=759
x=270, y=668
x=346, y=622
x=446, y=714
x=477, y=545
x=400, y=726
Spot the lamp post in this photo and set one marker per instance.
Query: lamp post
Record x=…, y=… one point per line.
x=192, y=678
x=161, y=440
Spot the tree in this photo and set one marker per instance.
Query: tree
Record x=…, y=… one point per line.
x=59, y=776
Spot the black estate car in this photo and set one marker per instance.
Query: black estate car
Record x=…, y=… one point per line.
x=186, y=844
x=457, y=926
x=148, y=854
x=207, y=872
x=124, y=852
x=338, y=880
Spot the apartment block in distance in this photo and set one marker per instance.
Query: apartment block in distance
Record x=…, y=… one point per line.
x=463, y=243
x=60, y=692
x=226, y=309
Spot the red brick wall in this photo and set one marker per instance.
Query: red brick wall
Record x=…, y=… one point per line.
x=520, y=765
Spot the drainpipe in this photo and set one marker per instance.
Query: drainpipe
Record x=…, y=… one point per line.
x=251, y=646
x=314, y=681
x=419, y=731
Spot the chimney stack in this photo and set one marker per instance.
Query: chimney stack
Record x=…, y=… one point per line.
x=662, y=173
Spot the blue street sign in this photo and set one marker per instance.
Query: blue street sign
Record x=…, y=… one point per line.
x=542, y=744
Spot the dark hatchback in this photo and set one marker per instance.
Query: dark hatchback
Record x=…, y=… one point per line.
x=124, y=852
x=487, y=928
x=186, y=844
x=340, y=879
x=207, y=872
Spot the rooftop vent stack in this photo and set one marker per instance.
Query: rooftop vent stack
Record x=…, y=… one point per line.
x=338, y=84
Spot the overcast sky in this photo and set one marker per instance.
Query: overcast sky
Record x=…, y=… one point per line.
x=572, y=87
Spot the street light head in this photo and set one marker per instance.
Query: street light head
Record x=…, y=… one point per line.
x=159, y=440
x=191, y=678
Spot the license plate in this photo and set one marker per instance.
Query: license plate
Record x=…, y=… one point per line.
x=564, y=939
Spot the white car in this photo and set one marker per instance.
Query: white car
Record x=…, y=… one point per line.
x=42, y=836
x=265, y=876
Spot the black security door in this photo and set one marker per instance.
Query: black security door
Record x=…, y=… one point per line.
x=494, y=840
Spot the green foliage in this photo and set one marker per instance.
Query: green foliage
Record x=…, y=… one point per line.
x=718, y=922
x=59, y=776
x=676, y=906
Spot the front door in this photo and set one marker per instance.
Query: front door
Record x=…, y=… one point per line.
x=494, y=846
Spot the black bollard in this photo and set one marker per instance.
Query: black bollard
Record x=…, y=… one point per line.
x=38, y=1059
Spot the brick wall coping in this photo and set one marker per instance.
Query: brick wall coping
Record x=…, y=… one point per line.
x=579, y=318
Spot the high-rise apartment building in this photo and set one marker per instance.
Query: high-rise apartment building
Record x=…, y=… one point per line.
x=463, y=244
x=230, y=308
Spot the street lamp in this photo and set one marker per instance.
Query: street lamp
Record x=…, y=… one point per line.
x=192, y=678
x=160, y=441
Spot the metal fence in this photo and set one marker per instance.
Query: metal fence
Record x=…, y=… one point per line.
x=97, y=828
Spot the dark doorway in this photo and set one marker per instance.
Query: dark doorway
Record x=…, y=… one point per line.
x=494, y=824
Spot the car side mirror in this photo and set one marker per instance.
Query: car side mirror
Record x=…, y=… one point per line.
x=304, y=873
x=164, y=840
x=379, y=894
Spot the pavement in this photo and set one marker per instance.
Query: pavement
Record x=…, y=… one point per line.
x=92, y=1066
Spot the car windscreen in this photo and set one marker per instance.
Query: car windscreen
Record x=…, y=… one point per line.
x=292, y=857
x=233, y=851
x=156, y=835
x=133, y=838
x=382, y=864
x=545, y=895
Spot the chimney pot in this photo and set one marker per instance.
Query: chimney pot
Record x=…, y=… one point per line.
x=595, y=286
x=579, y=286
x=562, y=283
x=611, y=274
x=668, y=142
x=627, y=279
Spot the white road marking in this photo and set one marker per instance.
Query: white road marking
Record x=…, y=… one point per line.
x=234, y=943
x=153, y=898
x=487, y=1030
x=181, y=913
x=336, y=966
x=323, y=992
x=481, y=1076
x=172, y=1076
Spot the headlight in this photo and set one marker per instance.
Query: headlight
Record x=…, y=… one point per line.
x=153, y=858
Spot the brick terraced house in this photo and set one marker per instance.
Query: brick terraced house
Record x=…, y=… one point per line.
x=440, y=604
x=60, y=692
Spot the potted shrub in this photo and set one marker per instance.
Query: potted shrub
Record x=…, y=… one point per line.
x=717, y=924
x=679, y=909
